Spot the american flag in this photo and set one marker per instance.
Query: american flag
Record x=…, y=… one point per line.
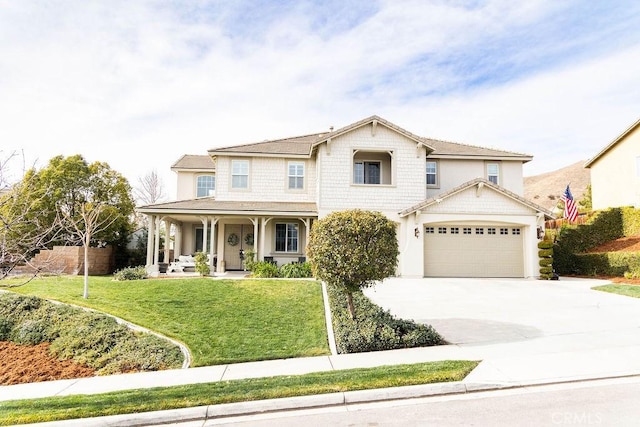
x=570, y=208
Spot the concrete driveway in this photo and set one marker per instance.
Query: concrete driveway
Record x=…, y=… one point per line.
x=547, y=315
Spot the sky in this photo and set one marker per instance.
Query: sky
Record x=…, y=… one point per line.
x=137, y=84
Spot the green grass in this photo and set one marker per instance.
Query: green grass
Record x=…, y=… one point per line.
x=134, y=401
x=220, y=321
x=626, y=290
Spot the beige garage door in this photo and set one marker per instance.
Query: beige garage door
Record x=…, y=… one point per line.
x=473, y=251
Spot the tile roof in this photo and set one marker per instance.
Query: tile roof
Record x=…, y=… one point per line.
x=298, y=145
x=208, y=205
x=453, y=149
x=303, y=145
x=194, y=161
x=440, y=197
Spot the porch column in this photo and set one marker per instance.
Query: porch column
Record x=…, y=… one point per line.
x=156, y=244
x=177, y=247
x=205, y=232
x=263, y=236
x=151, y=220
x=167, y=241
x=255, y=222
x=212, y=247
x=307, y=231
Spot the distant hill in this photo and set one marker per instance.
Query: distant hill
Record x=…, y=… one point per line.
x=547, y=188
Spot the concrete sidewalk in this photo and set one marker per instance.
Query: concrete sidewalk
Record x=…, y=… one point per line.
x=580, y=335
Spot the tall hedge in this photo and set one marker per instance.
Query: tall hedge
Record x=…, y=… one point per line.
x=605, y=226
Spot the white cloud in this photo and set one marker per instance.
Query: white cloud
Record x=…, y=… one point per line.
x=137, y=85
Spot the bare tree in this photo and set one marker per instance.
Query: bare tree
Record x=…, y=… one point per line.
x=150, y=188
x=93, y=218
x=22, y=229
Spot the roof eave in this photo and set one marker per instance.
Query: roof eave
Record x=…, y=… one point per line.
x=611, y=144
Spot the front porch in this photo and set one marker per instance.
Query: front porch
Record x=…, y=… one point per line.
x=227, y=233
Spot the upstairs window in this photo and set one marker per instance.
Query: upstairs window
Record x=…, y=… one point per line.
x=296, y=175
x=239, y=173
x=493, y=173
x=366, y=173
x=372, y=167
x=205, y=185
x=432, y=173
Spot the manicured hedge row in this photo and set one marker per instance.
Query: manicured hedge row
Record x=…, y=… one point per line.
x=609, y=264
x=89, y=338
x=603, y=227
x=374, y=329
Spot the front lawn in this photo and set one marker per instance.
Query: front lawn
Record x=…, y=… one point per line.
x=134, y=401
x=626, y=290
x=220, y=321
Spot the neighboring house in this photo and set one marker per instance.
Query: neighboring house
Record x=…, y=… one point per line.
x=459, y=208
x=615, y=171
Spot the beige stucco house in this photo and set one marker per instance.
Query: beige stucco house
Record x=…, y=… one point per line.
x=459, y=208
x=615, y=171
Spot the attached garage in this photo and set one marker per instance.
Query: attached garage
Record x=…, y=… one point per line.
x=473, y=250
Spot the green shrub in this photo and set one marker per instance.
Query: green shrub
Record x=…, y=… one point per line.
x=352, y=250
x=296, y=270
x=30, y=332
x=546, y=271
x=131, y=273
x=249, y=259
x=89, y=338
x=545, y=262
x=202, y=264
x=545, y=244
x=374, y=329
x=5, y=329
x=264, y=269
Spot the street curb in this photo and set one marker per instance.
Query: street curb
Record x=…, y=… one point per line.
x=256, y=407
x=224, y=410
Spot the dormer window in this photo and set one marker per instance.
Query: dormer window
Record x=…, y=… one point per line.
x=372, y=167
x=205, y=185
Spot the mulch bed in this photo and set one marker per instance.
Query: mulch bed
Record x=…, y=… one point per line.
x=34, y=363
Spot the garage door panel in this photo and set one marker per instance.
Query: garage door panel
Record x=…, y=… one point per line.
x=473, y=251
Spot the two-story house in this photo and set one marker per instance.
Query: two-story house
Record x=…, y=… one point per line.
x=459, y=208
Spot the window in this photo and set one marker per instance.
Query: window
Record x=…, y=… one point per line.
x=205, y=186
x=515, y=231
x=366, y=173
x=432, y=173
x=287, y=237
x=479, y=230
x=296, y=175
x=442, y=230
x=455, y=230
x=491, y=230
x=493, y=173
x=429, y=230
x=504, y=231
x=239, y=173
x=372, y=167
x=466, y=230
